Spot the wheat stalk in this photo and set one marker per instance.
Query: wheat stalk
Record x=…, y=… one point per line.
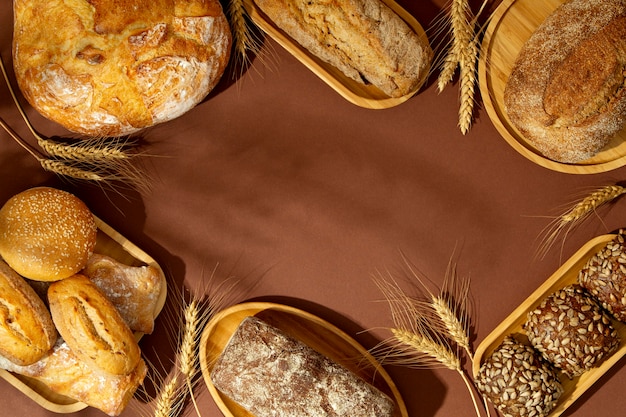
x=577, y=214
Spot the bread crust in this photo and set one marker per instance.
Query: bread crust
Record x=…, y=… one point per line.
x=364, y=39
x=92, y=327
x=27, y=332
x=113, y=67
x=566, y=91
x=46, y=234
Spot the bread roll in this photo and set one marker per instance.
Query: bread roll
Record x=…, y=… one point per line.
x=46, y=234
x=364, y=39
x=518, y=381
x=65, y=374
x=27, y=332
x=112, y=68
x=92, y=327
x=133, y=290
x=604, y=277
x=566, y=91
x=571, y=331
x=270, y=373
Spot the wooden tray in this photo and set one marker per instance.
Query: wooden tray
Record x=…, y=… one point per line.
x=313, y=331
x=366, y=96
x=110, y=243
x=512, y=325
x=510, y=26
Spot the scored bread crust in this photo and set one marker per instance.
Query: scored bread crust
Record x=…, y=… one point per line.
x=27, y=332
x=364, y=39
x=114, y=67
x=566, y=91
x=92, y=327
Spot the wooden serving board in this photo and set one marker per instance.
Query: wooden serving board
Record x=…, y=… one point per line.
x=512, y=23
x=311, y=330
x=512, y=326
x=366, y=96
x=111, y=243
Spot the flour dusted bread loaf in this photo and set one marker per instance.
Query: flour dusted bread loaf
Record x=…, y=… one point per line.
x=27, y=332
x=133, y=290
x=92, y=327
x=269, y=373
x=64, y=373
x=364, y=39
x=112, y=67
x=566, y=91
x=46, y=234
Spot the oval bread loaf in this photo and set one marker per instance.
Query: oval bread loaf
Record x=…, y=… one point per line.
x=365, y=39
x=91, y=326
x=46, y=234
x=114, y=67
x=566, y=91
x=27, y=332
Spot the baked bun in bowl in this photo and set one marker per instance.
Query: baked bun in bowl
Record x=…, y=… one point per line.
x=112, y=68
x=571, y=331
x=27, y=332
x=46, y=234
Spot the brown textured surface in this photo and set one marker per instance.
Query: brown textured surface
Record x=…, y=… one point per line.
x=364, y=39
x=282, y=189
x=270, y=373
x=111, y=68
x=566, y=92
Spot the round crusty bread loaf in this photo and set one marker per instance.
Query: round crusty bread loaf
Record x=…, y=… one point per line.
x=27, y=332
x=566, y=91
x=111, y=67
x=91, y=326
x=46, y=234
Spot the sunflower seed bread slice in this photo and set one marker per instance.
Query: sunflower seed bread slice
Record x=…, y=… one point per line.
x=364, y=39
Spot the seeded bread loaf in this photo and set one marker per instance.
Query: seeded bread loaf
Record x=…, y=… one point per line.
x=604, y=277
x=113, y=67
x=364, y=39
x=519, y=381
x=571, y=331
x=270, y=373
x=566, y=91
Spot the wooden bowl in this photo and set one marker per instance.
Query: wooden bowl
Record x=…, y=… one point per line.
x=509, y=27
x=311, y=330
x=366, y=96
x=512, y=326
x=110, y=243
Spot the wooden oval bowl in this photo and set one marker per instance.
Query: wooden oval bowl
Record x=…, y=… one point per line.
x=509, y=27
x=308, y=328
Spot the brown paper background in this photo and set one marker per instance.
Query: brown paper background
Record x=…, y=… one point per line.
x=278, y=182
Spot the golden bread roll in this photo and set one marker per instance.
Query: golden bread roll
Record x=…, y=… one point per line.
x=365, y=39
x=566, y=91
x=64, y=373
x=112, y=68
x=46, y=234
x=91, y=326
x=133, y=290
x=26, y=328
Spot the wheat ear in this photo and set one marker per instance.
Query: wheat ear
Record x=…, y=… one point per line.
x=166, y=400
x=577, y=214
x=188, y=354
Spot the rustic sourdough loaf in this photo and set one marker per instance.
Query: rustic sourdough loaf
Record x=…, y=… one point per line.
x=566, y=91
x=364, y=39
x=114, y=67
x=270, y=373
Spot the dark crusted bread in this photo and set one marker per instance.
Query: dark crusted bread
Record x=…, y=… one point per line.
x=270, y=373
x=604, y=277
x=566, y=90
x=519, y=381
x=571, y=331
x=364, y=39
